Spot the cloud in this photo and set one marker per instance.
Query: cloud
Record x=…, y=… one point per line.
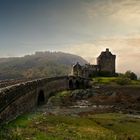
x=86, y=50
x=123, y=14
x=128, y=13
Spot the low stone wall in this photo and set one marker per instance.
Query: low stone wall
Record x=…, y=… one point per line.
x=20, y=98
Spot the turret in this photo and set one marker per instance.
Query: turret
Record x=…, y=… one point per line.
x=77, y=70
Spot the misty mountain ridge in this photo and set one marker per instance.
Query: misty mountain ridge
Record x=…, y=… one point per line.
x=40, y=64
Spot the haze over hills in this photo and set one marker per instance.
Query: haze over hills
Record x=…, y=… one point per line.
x=40, y=64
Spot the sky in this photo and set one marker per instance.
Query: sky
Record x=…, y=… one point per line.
x=81, y=27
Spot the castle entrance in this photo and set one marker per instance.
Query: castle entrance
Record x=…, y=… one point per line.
x=70, y=84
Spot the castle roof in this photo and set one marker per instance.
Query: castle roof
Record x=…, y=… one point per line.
x=106, y=53
x=77, y=65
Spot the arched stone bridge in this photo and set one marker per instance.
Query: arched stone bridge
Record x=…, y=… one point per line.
x=22, y=97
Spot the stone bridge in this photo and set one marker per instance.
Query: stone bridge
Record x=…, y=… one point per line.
x=22, y=97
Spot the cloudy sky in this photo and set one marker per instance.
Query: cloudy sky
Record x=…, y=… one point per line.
x=83, y=27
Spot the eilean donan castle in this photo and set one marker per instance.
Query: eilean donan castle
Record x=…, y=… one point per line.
x=105, y=66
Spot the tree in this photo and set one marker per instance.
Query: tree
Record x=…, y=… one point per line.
x=131, y=75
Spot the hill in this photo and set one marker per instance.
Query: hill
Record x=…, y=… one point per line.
x=40, y=64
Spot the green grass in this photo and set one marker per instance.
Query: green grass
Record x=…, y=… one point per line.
x=135, y=82
x=109, y=126
x=61, y=98
x=112, y=81
x=120, y=124
x=105, y=80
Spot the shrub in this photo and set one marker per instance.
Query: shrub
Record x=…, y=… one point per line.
x=130, y=75
x=123, y=81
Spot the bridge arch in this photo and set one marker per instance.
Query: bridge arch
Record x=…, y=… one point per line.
x=77, y=84
x=41, y=97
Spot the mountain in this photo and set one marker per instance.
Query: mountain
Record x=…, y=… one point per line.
x=40, y=64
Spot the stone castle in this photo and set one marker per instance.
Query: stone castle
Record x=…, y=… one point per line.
x=105, y=66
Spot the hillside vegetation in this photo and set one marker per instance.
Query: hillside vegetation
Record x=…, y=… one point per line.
x=37, y=65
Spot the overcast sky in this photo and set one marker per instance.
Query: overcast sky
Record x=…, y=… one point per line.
x=83, y=27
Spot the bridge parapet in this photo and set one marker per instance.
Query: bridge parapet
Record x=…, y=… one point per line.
x=21, y=97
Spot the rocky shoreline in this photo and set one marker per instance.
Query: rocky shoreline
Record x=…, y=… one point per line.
x=89, y=101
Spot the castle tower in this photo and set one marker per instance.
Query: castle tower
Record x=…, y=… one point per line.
x=106, y=62
x=77, y=70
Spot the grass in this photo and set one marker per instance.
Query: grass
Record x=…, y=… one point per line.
x=109, y=126
x=105, y=80
x=120, y=124
x=61, y=99
x=135, y=82
x=113, y=81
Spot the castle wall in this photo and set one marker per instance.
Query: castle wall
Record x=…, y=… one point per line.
x=107, y=64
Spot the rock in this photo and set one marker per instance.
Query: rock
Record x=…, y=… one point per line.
x=81, y=94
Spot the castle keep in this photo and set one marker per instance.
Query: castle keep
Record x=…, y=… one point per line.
x=105, y=66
